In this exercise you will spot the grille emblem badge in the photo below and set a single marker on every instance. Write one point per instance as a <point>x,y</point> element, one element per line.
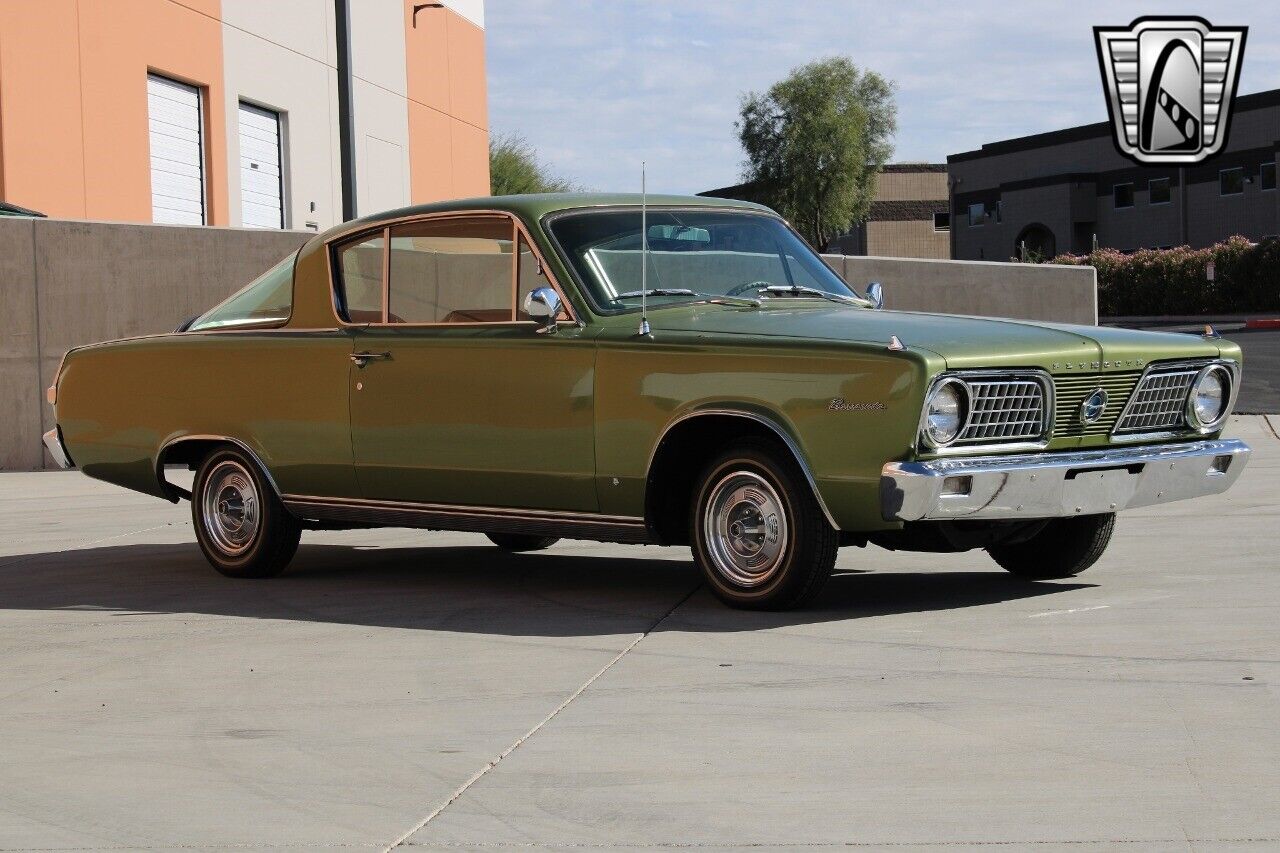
<point>1093,406</point>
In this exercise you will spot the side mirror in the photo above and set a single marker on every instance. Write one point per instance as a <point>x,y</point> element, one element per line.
<point>543,305</point>
<point>875,292</point>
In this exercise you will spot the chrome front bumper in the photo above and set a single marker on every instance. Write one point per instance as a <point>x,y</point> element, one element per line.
<point>1046,485</point>
<point>53,443</point>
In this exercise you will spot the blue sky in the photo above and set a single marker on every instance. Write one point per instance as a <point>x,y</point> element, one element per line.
<point>597,87</point>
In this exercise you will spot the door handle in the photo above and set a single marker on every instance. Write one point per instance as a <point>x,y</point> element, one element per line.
<point>363,358</point>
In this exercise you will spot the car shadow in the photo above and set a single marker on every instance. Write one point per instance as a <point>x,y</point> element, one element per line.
<point>468,589</point>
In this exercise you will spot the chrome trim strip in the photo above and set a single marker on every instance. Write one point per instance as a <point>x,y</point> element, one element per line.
<point>1230,364</point>
<point>171,489</point>
<point>1049,485</point>
<point>518,230</point>
<point>606,528</point>
<point>464,509</point>
<point>53,443</point>
<point>760,419</point>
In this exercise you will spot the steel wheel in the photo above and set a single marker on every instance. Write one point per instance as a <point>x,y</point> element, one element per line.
<point>745,528</point>
<point>231,508</point>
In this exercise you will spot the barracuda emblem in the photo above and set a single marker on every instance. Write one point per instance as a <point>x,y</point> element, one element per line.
<point>1093,406</point>
<point>840,404</point>
<point>1169,84</point>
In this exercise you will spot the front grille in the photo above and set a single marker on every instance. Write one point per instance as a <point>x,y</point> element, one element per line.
<point>1004,410</point>
<point>1160,402</point>
<point>1071,391</point>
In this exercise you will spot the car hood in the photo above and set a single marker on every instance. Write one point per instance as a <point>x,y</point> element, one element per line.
<point>963,342</point>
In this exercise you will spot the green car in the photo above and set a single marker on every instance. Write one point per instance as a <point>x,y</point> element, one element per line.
<point>688,372</point>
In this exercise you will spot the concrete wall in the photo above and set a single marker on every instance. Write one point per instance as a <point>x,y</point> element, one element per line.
<point>1058,294</point>
<point>71,283</point>
<point>67,283</point>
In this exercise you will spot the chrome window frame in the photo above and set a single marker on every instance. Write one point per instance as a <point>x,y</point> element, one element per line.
<point>1202,364</point>
<point>520,233</point>
<point>924,446</point>
<point>549,219</point>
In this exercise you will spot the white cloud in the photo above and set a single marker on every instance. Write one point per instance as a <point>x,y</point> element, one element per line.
<point>597,87</point>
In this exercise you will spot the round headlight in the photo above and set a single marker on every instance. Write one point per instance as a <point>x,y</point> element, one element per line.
<point>945,412</point>
<point>1207,405</point>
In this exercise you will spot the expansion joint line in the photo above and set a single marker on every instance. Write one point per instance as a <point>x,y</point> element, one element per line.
<point>480,774</point>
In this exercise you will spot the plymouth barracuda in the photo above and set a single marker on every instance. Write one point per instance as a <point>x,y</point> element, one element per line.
<point>687,371</point>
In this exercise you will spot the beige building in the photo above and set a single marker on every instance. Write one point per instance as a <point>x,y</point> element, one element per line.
<point>279,114</point>
<point>908,218</point>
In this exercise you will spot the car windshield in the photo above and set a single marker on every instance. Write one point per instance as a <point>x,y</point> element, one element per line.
<point>693,254</point>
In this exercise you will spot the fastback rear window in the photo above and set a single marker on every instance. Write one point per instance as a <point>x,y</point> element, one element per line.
<point>266,301</point>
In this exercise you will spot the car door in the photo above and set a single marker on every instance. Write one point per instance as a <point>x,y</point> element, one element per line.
<point>459,399</point>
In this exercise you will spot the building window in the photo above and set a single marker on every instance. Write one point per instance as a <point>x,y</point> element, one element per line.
<point>176,133</point>
<point>977,214</point>
<point>1158,190</point>
<point>1231,181</point>
<point>1000,211</point>
<point>1122,195</point>
<point>1268,176</point>
<point>942,221</point>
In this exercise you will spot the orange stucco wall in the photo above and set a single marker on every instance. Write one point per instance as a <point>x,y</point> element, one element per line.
<point>448,124</point>
<point>73,84</point>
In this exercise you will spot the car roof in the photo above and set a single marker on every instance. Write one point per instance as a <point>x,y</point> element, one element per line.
<point>533,207</point>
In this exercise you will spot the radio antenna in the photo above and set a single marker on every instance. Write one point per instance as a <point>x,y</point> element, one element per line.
<point>644,255</point>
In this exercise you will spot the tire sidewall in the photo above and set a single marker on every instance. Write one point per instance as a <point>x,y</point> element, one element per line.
<point>758,463</point>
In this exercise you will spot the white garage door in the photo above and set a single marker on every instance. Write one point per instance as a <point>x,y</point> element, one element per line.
<point>261,187</point>
<point>177,152</point>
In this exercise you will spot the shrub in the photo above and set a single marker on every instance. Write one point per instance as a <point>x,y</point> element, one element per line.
<point>1153,282</point>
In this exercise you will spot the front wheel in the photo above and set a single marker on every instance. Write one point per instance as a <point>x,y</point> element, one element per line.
<point>242,527</point>
<point>1065,547</point>
<point>758,533</point>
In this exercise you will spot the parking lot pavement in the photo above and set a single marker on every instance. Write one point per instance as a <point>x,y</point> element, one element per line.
<point>1260,391</point>
<point>367,696</point>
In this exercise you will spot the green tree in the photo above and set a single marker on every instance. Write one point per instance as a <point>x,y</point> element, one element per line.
<point>815,142</point>
<point>514,168</point>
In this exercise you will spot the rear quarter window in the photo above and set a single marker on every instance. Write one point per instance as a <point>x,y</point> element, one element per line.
<point>266,301</point>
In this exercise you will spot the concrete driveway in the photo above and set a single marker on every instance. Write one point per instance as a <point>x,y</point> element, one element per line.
<point>401,686</point>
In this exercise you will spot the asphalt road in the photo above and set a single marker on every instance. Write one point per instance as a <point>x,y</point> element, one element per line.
<point>1260,393</point>
<point>397,685</point>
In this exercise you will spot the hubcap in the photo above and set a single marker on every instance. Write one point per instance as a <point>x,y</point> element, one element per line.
<point>230,508</point>
<point>745,529</point>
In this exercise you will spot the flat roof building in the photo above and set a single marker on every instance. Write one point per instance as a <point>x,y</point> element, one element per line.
<point>1069,190</point>
<point>232,112</point>
<point>908,217</point>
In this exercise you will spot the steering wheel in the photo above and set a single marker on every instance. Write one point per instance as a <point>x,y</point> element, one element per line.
<point>751,285</point>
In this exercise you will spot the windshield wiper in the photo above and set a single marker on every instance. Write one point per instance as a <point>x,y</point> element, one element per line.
<point>657,291</point>
<point>742,301</point>
<point>801,290</point>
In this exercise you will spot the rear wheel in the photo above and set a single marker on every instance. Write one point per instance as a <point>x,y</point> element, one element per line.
<point>242,527</point>
<point>758,533</point>
<point>521,541</point>
<point>1064,548</point>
